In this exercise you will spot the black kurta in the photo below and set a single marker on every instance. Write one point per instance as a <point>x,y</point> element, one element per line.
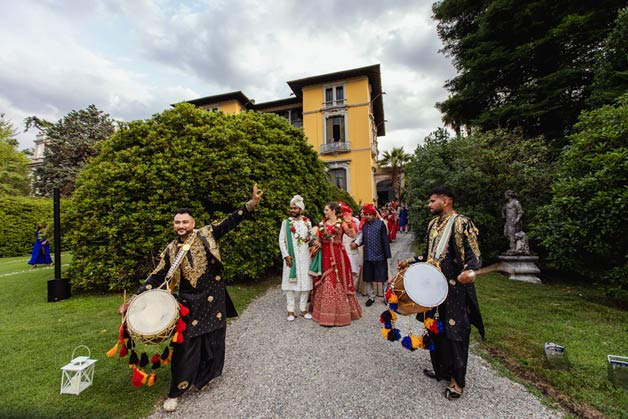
<point>460,309</point>
<point>200,357</point>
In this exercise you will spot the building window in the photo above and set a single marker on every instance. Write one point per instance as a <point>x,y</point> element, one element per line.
<point>334,96</point>
<point>335,129</point>
<point>338,177</point>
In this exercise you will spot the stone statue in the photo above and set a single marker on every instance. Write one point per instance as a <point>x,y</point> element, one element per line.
<point>521,244</point>
<point>513,213</point>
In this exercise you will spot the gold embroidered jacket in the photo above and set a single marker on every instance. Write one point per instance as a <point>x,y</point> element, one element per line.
<point>201,286</point>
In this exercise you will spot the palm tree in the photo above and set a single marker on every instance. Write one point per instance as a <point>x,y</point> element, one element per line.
<point>396,159</point>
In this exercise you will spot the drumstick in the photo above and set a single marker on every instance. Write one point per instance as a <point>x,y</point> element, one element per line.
<point>491,268</point>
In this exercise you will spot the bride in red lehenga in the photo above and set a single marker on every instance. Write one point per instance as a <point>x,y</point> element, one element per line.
<point>335,303</point>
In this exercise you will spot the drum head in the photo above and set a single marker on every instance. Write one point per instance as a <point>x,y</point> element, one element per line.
<point>152,312</point>
<point>425,284</point>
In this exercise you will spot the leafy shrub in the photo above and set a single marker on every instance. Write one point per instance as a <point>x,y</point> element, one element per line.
<point>585,222</point>
<point>19,217</point>
<point>188,157</point>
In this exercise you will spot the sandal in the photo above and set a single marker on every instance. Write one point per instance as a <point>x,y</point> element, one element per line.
<point>430,373</point>
<point>451,393</point>
<point>170,405</point>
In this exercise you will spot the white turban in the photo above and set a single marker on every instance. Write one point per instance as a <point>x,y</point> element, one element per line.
<point>297,201</point>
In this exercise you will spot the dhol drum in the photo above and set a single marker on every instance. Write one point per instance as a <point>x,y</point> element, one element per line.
<point>419,288</point>
<point>152,316</point>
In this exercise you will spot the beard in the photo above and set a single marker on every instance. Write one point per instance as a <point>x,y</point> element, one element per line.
<point>295,214</point>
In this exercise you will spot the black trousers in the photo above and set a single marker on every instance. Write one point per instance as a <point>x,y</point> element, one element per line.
<point>450,357</point>
<point>197,361</point>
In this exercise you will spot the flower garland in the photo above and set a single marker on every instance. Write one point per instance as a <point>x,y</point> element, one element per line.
<point>433,326</point>
<point>296,234</point>
<point>329,231</point>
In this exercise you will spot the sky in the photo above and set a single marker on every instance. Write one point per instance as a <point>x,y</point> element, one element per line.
<point>133,58</point>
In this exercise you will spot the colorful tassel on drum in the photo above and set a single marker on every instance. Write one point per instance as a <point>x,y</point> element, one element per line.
<point>113,351</point>
<point>406,342</point>
<point>165,356</point>
<point>389,292</point>
<point>385,317</point>
<point>181,326</point>
<point>143,360</point>
<point>151,379</point>
<point>134,360</point>
<point>123,351</point>
<point>139,377</point>
<point>417,342</point>
<point>385,332</point>
<point>155,360</point>
<point>392,299</point>
<point>183,310</point>
<point>394,335</point>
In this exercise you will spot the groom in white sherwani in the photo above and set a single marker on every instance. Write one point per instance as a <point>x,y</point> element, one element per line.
<point>294,242</point>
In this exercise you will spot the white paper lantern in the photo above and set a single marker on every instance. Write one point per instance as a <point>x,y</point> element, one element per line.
<point>78,374</point>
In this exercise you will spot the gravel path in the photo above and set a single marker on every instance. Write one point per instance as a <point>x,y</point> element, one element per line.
<point>277,369</point>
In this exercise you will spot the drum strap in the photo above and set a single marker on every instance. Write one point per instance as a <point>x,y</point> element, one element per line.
<point>185,248</point>
<point>444,240</point>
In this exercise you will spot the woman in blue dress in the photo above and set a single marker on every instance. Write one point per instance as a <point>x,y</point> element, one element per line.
<point>41,248</point>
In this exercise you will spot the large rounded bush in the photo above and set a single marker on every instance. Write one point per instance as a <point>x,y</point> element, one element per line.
<point>122,211</point>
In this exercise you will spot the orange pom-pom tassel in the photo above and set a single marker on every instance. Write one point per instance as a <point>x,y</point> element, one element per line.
<point>112,352</point>
<point>151,380</point>
<point>393,315</point>
<point>393,299</point>
<point>385,332</point>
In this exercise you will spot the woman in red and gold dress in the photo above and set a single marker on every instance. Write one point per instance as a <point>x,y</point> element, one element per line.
<point>335,303</point>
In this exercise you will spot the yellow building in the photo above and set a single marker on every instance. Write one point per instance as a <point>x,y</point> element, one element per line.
<point>341,113</point>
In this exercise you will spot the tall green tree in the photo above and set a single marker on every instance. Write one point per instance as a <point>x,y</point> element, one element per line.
<point>123,204</point>
<point>396,159</point>
<point>584,225</point>
<point>521,63</point>
<point>14,170</point>
<point>70,144</point>
<point>611,73</point>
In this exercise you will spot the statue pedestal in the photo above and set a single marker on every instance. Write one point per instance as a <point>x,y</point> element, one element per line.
<point>520,268</point>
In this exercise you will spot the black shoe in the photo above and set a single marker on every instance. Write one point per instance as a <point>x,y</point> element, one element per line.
<point>369,302</point>
<point>451,393</point>
<point>430,373</point>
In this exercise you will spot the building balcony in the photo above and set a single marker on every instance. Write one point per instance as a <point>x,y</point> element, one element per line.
<point>331,104</point>
<point>335,148</point>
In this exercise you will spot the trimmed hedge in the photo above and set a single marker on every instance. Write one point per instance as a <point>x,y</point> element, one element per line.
<point>19,217</point>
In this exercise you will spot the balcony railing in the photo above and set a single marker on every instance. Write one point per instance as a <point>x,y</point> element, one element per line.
<point>334,103</point>
<point>336,147</point>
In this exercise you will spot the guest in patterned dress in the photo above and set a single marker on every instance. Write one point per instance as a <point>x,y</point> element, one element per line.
<point>374,239</point>
<point>335,303</point>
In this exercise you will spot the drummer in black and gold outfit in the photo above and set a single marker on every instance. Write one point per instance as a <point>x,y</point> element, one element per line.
<point>201,356</point>
<point>460,310</point>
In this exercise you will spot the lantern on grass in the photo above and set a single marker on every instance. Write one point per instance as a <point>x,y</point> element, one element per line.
<point>78,374</point>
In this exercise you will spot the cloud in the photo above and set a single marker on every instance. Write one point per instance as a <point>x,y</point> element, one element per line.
<point>133,59</point>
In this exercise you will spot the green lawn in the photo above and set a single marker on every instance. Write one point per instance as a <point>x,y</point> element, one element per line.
<point>38,339</point>
<point>521,317</point>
